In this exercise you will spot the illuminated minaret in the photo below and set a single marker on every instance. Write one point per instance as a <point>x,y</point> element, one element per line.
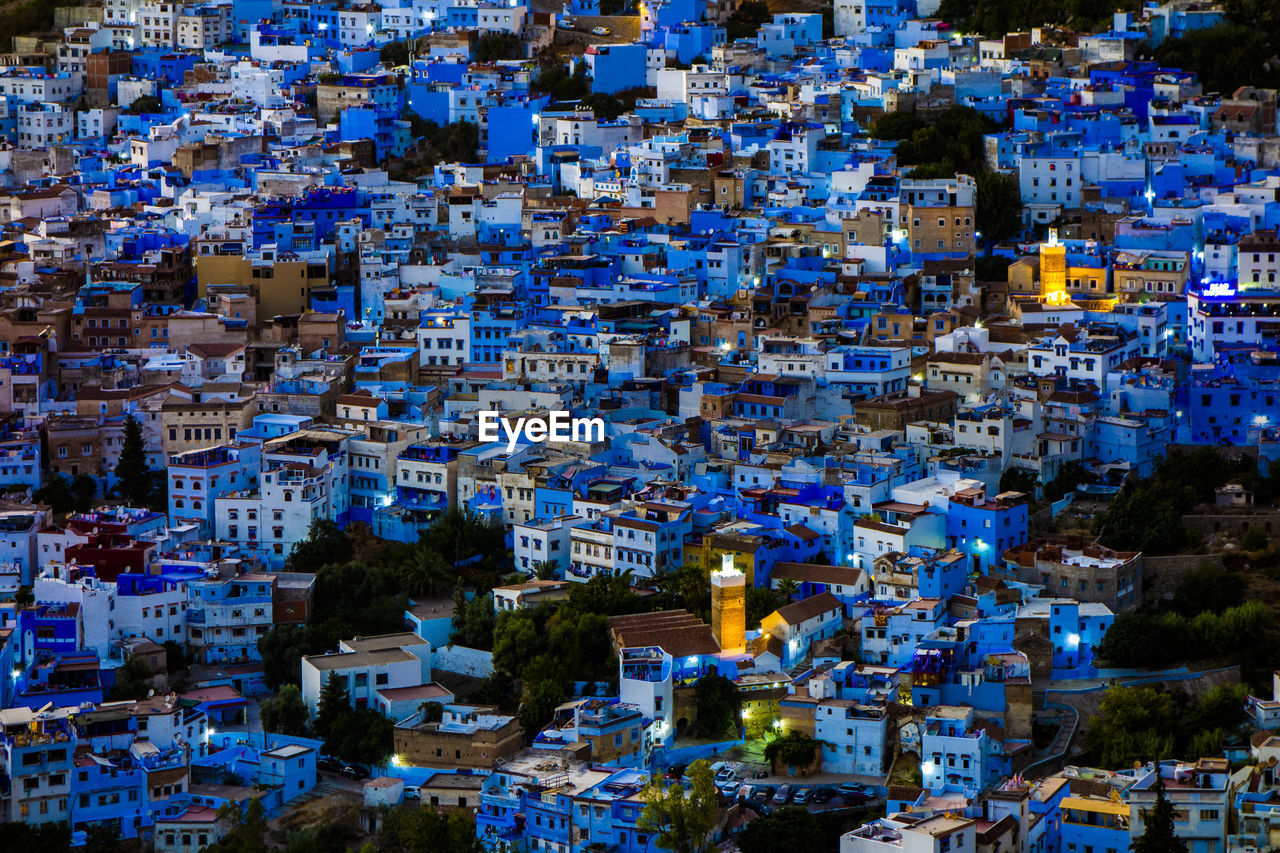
<point>1053,270</point>
<point>729,608</point>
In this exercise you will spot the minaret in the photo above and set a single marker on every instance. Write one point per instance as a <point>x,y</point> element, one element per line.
<point>1053,270</point>
<point>729,609</point>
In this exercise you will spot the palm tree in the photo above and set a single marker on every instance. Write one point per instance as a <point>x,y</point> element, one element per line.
<point>788,587</point>
<point>426,574</point>
<point>545,570</point>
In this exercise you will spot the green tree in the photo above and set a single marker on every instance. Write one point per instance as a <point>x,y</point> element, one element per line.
<point>101,838</point>
<point>497,46</point>
<point>1209,587</point>
<point>719,706</point>
<point>794,749</point>
<point>44,837</point>
<point>285,713</point>
<point>993,268</point>
<point>282,649</point>
<point>788,588</point>
<point>539,703</point>
<point>786,830</point>
<point>1254,540</point>
<point>394,53</point>
<point>681,821</point>
<point>325,545</point>
<point>247,831</point>
<point>1134,723</point>
<point>1158,835</point>
<point>545,570</point>
<point>414,829</point>
<point>555,80</point>
<point>474,622</point>
<point>761,601</point>
<point>133,680</point>
<point>83,490</point>
<point>144,104</point>
<point>998,206</point>
<point>427,575</point>
<point>1070,475</point>
<point>747,19</point>
<point>133,477</point>
<point>333,711</point>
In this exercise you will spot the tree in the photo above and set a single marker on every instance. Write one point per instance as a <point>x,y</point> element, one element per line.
<point>248,828</point>
<point>999,206</point>
<point>45,837</point>
<point>133,477</point>
<point>992,268</point>
<point>473,623</point>
<point>788,830</point>
<point>545,570</point>
<point>101,838</point>
<point>719,706</point>
<point>325,545</point>
<point>333,710</point>
<point>497,46</point>
<point>56,494</point>
<point>747,19</point>
<point>555,80</point>
<point>539,703</point>
<point>761,601</point>
<point>424,829</point>
<point>788,588</point>
<point>282,649</point>
<point>681,821</point>
<point>427,575</point>
<point>285,712</point>
<point>394,53</point>
<point>146,104</point>
<point>83,490</point>
<point>1254,540</point>
<point>794,749</point>
<point>1070,475</point>
<point>1208,588</point>
<point>133,680</point>
<point>1158,835</point>
<point>952,143</point>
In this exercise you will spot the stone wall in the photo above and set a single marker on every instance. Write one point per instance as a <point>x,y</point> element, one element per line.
<point>1162,574</point>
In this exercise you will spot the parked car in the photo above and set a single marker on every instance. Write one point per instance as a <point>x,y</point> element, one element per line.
<point>854,788</point>
<point>412,792</point>
<point>601,31</point>
<point>567,24</point>
<point>726,774</point>
<point>782,796</point>
<point>762,795</point>
<point>354,771</point>
<point>745,792</point>
<point>821,795</point>
<point>760,774</point>
<point>801,796</point>
<point>328,762</point>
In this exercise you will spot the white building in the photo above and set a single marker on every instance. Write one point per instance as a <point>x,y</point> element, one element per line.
<point>368,664</point>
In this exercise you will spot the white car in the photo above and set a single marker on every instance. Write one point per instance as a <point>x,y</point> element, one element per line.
<point>412,792</point>
<point>601,31</point>
<point>567,24</point>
